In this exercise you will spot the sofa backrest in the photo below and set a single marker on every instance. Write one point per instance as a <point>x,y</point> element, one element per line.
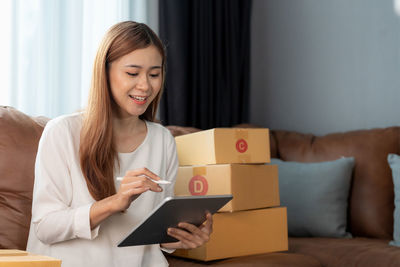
<point>371,202</point>
<point>19,137</point>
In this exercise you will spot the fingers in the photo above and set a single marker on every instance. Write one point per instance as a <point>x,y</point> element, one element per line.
<point>191,236</point>
<point>186,239</point>
<point>138,178</point>
<point>140,182</point>
<point>207,225</point>
<point>134,191</point>
<point>132,185</point>
<point>143,171</point>
<point>195,231</point>
<point>125,195</point>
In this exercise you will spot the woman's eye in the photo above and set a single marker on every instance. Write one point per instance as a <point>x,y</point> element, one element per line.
<point>132,74</point>
<point>154,75</point>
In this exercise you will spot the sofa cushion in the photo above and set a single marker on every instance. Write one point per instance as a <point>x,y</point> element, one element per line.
<point>371,195</point>
<point>316,196</point>
<point>339,252</point>
<point>19,137</point>
<point>394,163</point>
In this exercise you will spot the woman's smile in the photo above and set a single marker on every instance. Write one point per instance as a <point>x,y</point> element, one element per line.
<point>140,100</point>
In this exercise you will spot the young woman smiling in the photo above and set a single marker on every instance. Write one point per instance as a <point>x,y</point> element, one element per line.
<point>79,211</point>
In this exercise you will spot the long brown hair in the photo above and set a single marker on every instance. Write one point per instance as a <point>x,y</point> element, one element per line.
<point>97,150</point>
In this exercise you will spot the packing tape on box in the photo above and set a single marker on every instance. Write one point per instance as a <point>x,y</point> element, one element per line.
<point>241,134</point>
<point>199,171</point>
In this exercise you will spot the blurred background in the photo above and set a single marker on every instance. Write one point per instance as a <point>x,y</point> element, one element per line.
<point>316,66</point>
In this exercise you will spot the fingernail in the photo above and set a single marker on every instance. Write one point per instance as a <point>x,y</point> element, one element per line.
<point>159,189</point>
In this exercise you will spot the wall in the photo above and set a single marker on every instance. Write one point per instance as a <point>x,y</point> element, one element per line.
<point>325,66</point>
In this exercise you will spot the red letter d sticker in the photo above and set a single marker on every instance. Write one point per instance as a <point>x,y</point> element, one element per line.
<point>198,186</point>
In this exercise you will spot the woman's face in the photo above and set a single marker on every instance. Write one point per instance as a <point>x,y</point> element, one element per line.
<point>135,80</point>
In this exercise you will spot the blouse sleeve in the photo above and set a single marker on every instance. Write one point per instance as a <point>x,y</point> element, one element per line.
<point>53,217</point>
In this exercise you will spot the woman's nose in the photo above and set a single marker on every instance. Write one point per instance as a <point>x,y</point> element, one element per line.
<point>143,83</point>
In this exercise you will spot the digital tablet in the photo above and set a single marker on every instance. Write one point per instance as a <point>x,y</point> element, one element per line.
<point>170,212</point>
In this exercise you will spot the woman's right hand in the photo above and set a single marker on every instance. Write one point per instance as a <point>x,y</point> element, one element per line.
<point>134,183</point>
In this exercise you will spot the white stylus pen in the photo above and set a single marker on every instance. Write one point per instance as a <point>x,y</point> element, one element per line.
<point>156,181</point>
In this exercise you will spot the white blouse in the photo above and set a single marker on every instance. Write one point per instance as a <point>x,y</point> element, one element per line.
<point>60,225</point>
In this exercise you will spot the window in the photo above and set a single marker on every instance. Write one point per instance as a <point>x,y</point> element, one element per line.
<point>50,46</point>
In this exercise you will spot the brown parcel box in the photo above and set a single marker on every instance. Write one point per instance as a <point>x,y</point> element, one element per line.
<point>252,186</point>
<point>243,233</point>
<point>224,145</point>
<point>19,258</point>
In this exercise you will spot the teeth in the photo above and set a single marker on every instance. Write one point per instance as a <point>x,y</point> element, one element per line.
<point>139,98</point>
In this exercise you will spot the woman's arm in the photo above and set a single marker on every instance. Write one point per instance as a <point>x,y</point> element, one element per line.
<point>55,217</point>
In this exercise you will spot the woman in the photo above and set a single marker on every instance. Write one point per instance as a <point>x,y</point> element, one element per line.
<point>79,211</point>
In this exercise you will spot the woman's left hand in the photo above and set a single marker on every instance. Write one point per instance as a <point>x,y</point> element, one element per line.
<point>190,236</point>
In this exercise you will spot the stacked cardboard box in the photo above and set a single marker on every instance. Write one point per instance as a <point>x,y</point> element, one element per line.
<point>231,161</point>
<point>19,258</point>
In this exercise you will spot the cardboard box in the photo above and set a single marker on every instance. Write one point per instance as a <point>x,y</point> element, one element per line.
<point>243,233</point>
<point>224,145</point>
<point>252,186</point>
<point>19,258</point>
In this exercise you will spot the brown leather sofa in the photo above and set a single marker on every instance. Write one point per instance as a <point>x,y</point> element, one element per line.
<point>371,200</point>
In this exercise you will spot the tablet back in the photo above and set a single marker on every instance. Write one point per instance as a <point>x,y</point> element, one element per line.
<point>170,212</point>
